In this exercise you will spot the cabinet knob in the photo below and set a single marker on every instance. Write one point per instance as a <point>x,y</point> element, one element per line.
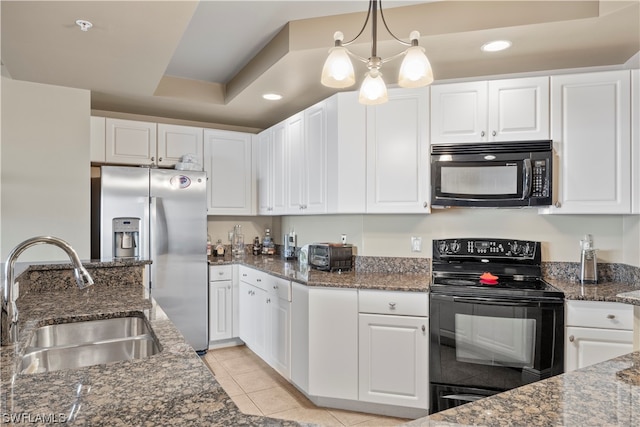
<point>424,328</point>
<point>425,204</point>
<point>558,204</point>
<point>392,305</point>
<point>268,300</point>
<point>494,133</point>
<point>244,274</point>
<point>258,280</point>
<point>159,159</point>
<point>153,159</point>
<point>571,338</point>
<point>482,133</point>
<point>229,287</point>
<point>220,273</point>
<point>275,286</point>
<point>611,316</point>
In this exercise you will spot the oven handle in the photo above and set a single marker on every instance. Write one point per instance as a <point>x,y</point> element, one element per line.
<point>464,397</point>
<point>502,302</point>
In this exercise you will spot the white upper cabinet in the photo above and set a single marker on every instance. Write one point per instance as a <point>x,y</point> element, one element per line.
<point>590,128</point>
<point>229,167</point>
<point>264,166</point>
<point>97,139</point>
<point>498,110</point>
<point>175,141</point>
<point>295,164</point>
<point>130,142</point>
<point>314,185</point>
<point>398,153</point>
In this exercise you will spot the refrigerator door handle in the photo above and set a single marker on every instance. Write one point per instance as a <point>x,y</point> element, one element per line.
<point>153,229</point>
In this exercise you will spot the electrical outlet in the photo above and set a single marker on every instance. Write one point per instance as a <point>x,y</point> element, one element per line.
<point>416,244</point>
<point>343,239</point>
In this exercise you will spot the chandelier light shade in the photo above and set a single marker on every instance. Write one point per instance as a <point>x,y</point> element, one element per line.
<point>338,72</point>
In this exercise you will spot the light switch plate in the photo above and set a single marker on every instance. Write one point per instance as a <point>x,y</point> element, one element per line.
<point>416,244</point>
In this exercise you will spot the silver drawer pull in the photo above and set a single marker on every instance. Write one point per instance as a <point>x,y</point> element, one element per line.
<point>571,338</point>
<point>275,286</point>
<point>258,280</point>
<point>392,305</point>
<point>221,273</point>
<point>611,316</point>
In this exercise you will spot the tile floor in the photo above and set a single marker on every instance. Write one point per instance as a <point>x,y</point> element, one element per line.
<point>257,389</point>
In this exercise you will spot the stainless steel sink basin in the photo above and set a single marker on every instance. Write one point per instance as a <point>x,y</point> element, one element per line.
<point>87,343</point>
<point>90,331</point>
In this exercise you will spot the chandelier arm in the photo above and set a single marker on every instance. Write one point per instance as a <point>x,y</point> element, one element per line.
<point>384,21</point>
<point>358,57</point>
<point>391,58</point>
<point>366,20</point>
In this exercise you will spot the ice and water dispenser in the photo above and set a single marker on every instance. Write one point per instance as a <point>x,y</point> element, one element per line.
<point>126,237</point>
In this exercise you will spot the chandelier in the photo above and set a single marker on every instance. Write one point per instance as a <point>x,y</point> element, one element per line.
<point>415,69</point>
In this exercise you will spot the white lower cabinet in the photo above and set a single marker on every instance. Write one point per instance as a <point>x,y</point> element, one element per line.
<point>596,331</point>
<point>220,303</point>
<point>265,317</point>
<point>394,348</point>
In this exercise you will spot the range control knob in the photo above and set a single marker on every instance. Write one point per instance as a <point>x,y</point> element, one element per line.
<point>455,247</point>
<point>515,248</point>
<point>443,247</point>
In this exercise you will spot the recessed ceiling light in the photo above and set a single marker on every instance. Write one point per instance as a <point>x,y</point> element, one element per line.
<point>84,25</point>
<point>496,46</point>
<point>272,96</point>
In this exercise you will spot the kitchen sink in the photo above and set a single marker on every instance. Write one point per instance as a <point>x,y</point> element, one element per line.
<point>87,343</point>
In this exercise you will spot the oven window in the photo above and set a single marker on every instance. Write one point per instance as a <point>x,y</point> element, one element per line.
<point>495,341</point>
<point>482,180</point>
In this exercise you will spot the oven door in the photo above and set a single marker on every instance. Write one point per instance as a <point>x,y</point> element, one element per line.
<point>493,343</point>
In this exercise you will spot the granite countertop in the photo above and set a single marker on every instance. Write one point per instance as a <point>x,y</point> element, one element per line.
<point>623,292</point>
<point>172,387</point>
<point>395,280</point>
<point>604,394</point>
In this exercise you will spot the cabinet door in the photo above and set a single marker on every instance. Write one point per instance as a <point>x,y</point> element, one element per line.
<point>300,336</point>
<point>175,141</point>
<point>635,139</point>
<point>397,153</point>
<point>279,334</point>
<point>130,142</point>
<point>295,164</point>
<point>246,314</point>
<point>229,170</point>
<point>263,173</point>
<point>315,168</point>
<point>220,310</point>
<point>459,112</point>
<point>97,138</point>
<point>278,170</point>
<point>519,109</point>
<point>587,346</point>
<point>590,124</point>
<point>400,342</point>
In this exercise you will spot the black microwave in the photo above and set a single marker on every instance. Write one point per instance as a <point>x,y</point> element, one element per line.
<point>499,174</point>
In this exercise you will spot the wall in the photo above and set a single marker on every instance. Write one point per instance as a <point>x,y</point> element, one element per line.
<point>45,191</point>
<point>390,235</point>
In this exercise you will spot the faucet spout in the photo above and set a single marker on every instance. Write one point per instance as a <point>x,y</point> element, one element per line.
<point>9,296</point>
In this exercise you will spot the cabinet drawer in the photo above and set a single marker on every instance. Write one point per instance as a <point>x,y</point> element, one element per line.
<point>220,272</point>
<point>254,277</point>
<point>391,302</point>
<point>280,288</point>
<point>600,314</point>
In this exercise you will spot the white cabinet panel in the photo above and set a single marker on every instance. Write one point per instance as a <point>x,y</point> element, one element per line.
<point>295,164</point>
<point>130,142</point>
<point>635,139</point>
<point>279,171</point>
<point>590,118</point>
<point>587,346</point>
<point>175,141</point>
<point>314,190</point>
<point>394,360</point>
<point>397,153</point>
<point>458,112</point>
<point>220,310</point>
<point>229,167</point>
<point>264,165</point>
<point>98,139</point>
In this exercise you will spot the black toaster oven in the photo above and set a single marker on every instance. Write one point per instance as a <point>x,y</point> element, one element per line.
<point>331,256</point>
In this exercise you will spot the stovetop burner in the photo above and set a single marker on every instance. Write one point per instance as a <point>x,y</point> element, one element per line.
<point>489,267</point>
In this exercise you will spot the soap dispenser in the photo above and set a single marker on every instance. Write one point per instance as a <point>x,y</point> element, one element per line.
<point>588,261</point>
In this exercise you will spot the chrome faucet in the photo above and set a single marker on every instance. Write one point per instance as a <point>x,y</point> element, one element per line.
<point>9,308</point>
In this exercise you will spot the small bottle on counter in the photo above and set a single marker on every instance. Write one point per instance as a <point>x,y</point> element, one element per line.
<point>219,248</point>
<point>257,247</point>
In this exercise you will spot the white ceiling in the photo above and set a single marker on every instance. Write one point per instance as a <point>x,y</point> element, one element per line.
<point>210,61</point>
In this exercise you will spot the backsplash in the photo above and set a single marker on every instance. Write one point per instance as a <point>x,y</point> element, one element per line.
<point>607,272</point>
<point>376,264</point>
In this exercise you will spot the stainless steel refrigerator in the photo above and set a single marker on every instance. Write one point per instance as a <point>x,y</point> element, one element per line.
<point>171,206</point>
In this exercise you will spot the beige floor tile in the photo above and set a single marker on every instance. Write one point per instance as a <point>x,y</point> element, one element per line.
<point>255,381</point>
<point>273,400</point>
<point>246,405</point>
<point>230,386</point>
<point>308,415</point>
<point>215,367</point>
<point>349,418</point>
<point>240,365</point>
<point>302,400</point>
<point>230,352</point>
<point>378,421</point>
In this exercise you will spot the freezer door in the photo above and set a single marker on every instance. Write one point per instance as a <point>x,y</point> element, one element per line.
<point>124,192</point>
<point>179,280</point>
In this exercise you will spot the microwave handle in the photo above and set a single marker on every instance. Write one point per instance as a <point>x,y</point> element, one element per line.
<point>526,183</point>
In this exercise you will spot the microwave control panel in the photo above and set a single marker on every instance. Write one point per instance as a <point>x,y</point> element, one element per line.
<point>540,184</point>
